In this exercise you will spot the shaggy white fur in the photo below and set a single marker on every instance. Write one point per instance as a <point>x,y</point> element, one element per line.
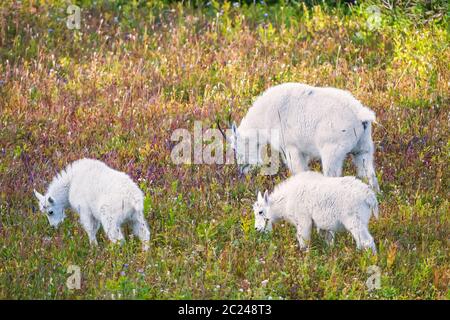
<point>314,123</point>
<point>100,195</point>
<point>331,204</point>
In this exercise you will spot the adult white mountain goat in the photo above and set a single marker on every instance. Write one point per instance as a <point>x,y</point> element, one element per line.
<point>100,195</point>
<point>330,203</point>
<point>313,123</point>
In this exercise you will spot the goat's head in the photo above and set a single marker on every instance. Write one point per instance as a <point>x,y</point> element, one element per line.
<point>50,207</point>
<point>261,209</point>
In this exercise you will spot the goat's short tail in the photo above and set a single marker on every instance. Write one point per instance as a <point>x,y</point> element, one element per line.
<point>372,202</point>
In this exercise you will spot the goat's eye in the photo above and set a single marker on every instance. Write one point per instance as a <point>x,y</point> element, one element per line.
<point>260,213</point>
<point>50,212</point>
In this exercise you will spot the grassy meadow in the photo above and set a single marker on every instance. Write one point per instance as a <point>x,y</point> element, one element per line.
<point>135,71</point>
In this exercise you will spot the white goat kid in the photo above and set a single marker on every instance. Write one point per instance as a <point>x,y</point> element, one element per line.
<point>100,195</point>
<point>331,204</point>
<point>313,123</point>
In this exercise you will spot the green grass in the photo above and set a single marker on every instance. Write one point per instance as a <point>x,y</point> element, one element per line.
<point>116,89</point>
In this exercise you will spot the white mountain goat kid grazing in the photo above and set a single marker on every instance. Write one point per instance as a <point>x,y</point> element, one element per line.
<point>313,123</point>
<point>329,203</point>
<point>100,195</point>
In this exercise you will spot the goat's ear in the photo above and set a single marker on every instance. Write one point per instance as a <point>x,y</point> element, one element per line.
<point>39,196</point>
<point>51,200</point>
<point>260,197</point>
<point>266,197</point>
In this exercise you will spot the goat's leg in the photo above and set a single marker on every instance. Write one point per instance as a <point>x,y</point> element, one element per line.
<point>332,160</point>
<point>354,226</point>
<point>140,229</point>
<point>90,225</point>
<point>304,233</point>
<point>111,226</point>
<point>114,234</point>
<point>295,161</point>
